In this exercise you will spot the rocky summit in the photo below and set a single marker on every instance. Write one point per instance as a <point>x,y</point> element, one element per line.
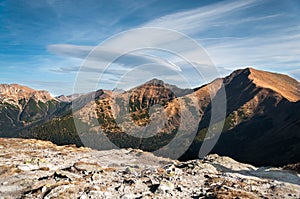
<point>39,169</point>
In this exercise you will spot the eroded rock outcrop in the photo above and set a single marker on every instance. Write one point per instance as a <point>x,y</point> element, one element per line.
<point>40,169</point>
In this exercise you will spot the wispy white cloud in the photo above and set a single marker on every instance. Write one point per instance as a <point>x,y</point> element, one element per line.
<point>199,19</point>
<point>99,57</point>
<point>271,53</point>
<point>229,33</point>
<point>69,50</point>
<point>271,44</point>
<point>174,52</point>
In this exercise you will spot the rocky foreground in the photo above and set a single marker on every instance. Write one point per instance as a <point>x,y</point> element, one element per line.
<point>39,169</point>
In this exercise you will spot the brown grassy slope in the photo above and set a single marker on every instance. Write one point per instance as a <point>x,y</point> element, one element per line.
<point>282,84</point>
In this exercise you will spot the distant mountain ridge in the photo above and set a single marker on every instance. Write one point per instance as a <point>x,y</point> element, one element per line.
<point>15,92</point>
<point>262,124</point>
<point>21,106</point>
<point>68,98</point>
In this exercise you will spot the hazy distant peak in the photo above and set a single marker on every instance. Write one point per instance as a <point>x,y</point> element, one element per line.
<point>118,90</point>
<point>64,98</point>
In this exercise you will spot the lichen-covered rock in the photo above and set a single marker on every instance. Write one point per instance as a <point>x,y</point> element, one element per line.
<point>39,169</point>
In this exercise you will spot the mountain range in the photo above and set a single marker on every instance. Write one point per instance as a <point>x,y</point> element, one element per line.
<point>261,126</point>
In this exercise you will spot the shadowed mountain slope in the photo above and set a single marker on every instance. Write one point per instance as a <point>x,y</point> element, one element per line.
<point>262,123</point>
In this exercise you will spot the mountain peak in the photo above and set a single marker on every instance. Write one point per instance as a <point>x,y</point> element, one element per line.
<point>156,82</point>
<point>14,88</point>
<point>15,92</point>
<point>118,90</point>
<point>280,83</point>
<point>151,83</point>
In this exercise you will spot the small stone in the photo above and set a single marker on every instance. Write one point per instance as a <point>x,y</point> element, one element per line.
<point>190,165</point>
<point>83,197</point>
<point>128,196</point>
<point>71,176</point>
<point>130,170</point>
<point>28,167</point>
<point>154,180</point>
<point>140,186</point>
<point>89,167</point>
<point>96,177</point>
<point>44,189</point>
<point>165,187</point>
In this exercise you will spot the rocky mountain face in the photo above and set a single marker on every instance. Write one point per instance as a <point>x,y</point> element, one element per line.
<point>262,123</point>
<point>40,169</point>
<point>122,116</point>
<point>151,93</point>
<point>21,106</point>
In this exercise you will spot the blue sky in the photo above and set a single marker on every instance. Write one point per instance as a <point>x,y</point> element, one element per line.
<point>44,43</point>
